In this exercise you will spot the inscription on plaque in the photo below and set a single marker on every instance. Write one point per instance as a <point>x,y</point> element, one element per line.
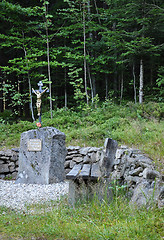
<point>34,145</point>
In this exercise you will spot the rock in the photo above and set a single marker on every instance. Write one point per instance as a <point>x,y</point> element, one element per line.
<point>72,153</point>
<point>136,151</point>
<point>67,164</point>
<point>15,150</point>
<point>93,157</point>
<point>42,164</point>
<point>119,153</point>
<point>84,150</point>
<point>1,162</point>
<point>151,174</point>
<point>93,149</point>
<point>143,159</point>
<point>145,194</point>
<point>98,156</point>
<point>69,157</point>
<point>5,158</point>
<point>124,147</point>
<point>67,170</point>
<point>14,158</point>
<point>161,198</point>
<point>73,148</point>
<point>77,159</point>
<point>11,164</point>
<point>12,169</point>
<point>14,175</point>
<point>122,170</point>
<point>117,161</point>
<point>4,168</point>
<point>140,174</point>
<point>136,171</point>
<point>72,164</point>
<point>132,180</point>
<point>87,159</point>
<point>2,176</point>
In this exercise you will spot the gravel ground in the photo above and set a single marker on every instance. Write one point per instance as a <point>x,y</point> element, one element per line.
<point>18,196</point>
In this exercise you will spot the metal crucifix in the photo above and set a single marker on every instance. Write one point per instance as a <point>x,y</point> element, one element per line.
<point>39,94</point>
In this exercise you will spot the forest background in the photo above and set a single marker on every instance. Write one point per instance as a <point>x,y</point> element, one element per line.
<point>85,51</point>
<point>103,63</point>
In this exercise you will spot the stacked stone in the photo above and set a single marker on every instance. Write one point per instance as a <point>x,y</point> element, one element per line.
<point>8,164</point>
<point>137,171</point>
<point>78,155</point>
<point>131,168</point>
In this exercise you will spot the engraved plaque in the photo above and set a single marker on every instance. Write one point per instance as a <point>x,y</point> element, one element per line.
<point>34,145</point>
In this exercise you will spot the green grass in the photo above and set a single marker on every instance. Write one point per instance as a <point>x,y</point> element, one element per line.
<point>92,220</point>
<point>139,126</point>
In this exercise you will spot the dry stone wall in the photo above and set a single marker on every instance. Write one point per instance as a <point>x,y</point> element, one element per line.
<point>131,168</point>
<point>8,164</point>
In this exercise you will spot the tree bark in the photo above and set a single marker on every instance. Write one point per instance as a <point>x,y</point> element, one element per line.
<point>122,86</point>
<point>4,96</point>
<point>141,82</point>
<point>65,87</point>
<point>134,84</point>
<point>106,86</point>
<point>91,85</point>
<point>48,59</point>
<point>85,63</point>
<point>29,80</point>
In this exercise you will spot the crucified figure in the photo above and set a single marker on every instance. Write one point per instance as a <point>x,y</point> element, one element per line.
<point>39,101</point>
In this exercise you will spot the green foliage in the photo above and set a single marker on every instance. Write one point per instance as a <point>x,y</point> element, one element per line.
<point>160,81</point>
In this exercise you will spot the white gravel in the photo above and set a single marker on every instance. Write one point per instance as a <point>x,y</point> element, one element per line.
<point>18,196</point>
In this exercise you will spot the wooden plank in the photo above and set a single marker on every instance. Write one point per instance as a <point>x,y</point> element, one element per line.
<point>85,172</point>
<point>95,171</point>
<point>74,172</point>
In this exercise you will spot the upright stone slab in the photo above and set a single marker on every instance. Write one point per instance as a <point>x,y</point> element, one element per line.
<point>41,156</point>
<point>108,156</point>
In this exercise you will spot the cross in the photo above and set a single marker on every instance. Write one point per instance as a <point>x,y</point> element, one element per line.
<point>39,94</point>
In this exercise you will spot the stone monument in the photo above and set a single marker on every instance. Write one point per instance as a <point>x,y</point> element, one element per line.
<point>42,152</point>
<point>41,156</point>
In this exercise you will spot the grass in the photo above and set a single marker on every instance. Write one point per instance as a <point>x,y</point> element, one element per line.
<point>92,220</point>
<point>133,125</point>
<point>139,126</point>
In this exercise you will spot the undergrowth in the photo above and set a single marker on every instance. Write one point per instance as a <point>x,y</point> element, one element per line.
<point>135,125</point>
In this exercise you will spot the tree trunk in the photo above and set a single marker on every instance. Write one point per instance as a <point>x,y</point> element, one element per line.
<point>141,82</point>
<point>1,94</point>
<point>85,64</point>
<point>65,87</point>
<point>122,86</point>
<point>115,83</point>
<point>48,59</point>
<point>4,96</point>
<point>106,86</point>
<point>94,85</point>
<point>134,84</point>
<point>91,85</point>
<point>29,80</point>
<point>151,75</point>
